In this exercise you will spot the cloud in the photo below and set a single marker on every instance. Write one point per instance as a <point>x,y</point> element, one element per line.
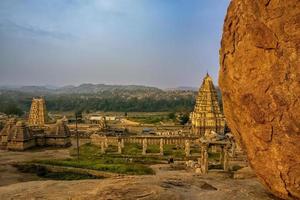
<point>30,30</point>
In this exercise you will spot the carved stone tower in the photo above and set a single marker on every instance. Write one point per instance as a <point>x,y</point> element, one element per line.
<point>207,115</point>
<point>38,113</point>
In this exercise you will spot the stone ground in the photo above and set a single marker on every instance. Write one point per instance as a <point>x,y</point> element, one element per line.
<point>166,184</point>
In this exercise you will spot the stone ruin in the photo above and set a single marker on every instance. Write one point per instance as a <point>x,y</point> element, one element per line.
<point>224,147</point>
<point>18,136</point>
<point>201,166</point>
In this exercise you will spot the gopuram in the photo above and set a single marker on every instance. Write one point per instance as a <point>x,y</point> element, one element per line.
<point>207,116</point>
<point>19,135</point>
<point>38,113</point>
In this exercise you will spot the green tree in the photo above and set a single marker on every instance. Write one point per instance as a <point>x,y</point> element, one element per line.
<point>184,119</point>
<point>172,116</point>
<point>12,109</point>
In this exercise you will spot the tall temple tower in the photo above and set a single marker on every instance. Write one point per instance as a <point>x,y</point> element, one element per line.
<point>207,115</point>
<point>38,113</point>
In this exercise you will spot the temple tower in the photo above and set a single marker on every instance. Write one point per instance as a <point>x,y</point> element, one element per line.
<point>207,115</point>
<point>38,113</point>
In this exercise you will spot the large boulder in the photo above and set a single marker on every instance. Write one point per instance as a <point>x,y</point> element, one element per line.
<point>260,83</point>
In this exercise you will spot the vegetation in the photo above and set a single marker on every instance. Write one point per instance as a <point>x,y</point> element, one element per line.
<point>91,158</point>
<point>184,118</point>
<point>131,162</point>
<point>105,101</point>
<point>148,119</point>
<point>10,108</point>
<point>161,117</point>
<point>44,173</point>
<point>109,165</point>
<point>172,116</point>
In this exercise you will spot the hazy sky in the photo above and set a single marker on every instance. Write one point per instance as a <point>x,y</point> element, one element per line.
<point>164,43</point>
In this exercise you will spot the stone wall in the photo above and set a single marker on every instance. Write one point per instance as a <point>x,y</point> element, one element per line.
<point>21,145</point>
<point>58,141</point>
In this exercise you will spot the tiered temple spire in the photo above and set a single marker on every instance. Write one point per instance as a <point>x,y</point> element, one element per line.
<point>207,115</point>
<point>38,113</point>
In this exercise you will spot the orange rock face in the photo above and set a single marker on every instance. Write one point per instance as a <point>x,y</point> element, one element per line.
<point>260,83</point>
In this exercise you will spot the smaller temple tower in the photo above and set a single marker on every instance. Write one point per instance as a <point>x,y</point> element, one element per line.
<point>38,113</point>
<point>19,137</point>
<point>207,115</point>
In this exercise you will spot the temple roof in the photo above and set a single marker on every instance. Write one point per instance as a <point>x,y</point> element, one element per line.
<point>8,127</point>
<point>19,132</point>
<point>60,129</point>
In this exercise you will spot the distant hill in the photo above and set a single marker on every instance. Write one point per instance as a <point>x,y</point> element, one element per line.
<point>183,88</point>
<point>96,88</point>
<point>81,89</point>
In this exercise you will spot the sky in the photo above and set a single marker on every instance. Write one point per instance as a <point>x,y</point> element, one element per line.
<point>162,43</point>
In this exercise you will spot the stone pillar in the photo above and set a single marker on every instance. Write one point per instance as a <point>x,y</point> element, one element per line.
<point>226,158</point>
<point>144,146</point>
<point>122,143</point>
<point>233,148</point>
<point>119,146</point>
<point>187,148</point>
<point>102,147</point>
<point>222,155</point>
<point>204,158</point>
<point>106,142</point>
<point>161,146</point>
<point>214,149</point>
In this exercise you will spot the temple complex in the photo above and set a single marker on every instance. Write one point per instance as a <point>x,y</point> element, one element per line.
<point>207,116</point>
<point>38,113</point>
<point>16,136</point>
<point>20,135</point>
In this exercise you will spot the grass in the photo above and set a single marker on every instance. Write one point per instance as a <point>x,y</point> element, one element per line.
<point>147,120</point>
<point>91,158</point>
<point>131,162</point>
<point>44,173</point>
<point>154,118</point>
<point>114,167</point>
<point>132,149</point>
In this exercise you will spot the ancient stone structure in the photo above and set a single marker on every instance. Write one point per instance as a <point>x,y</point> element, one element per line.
<point>8,128</point>
<point>16,136</point>
<point>161,146</point>
<point>259,79</point>
<point>59,135</point>
<point>187,148</point>
<point>224,155</point>
<point>145,145</point>
<point>38,113</point>
<point>19,136</point>
<point>207,115</point>
<point>119,146</point>
<point>183,142</point>
<point>100,121</point>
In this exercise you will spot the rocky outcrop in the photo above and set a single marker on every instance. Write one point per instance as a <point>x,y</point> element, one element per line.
<point>260,83</point>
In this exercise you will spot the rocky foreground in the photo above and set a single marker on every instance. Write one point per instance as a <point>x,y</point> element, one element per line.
<point>166,184</point>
